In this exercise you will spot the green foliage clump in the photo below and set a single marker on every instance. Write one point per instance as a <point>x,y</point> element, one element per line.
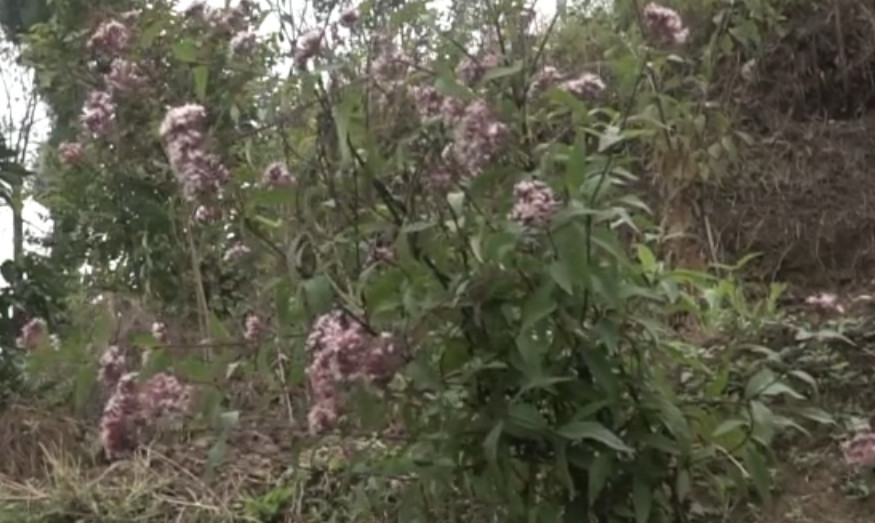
<point>455,260</point>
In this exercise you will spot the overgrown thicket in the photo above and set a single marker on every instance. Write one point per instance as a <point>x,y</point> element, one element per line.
<point>393,264</point>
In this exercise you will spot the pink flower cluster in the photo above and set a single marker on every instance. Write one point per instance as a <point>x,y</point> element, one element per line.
<point>349,17</point>
<point>471,70</point>
<point>254,328</point>
<point>111,366</point>
<point>236,21</point>
<point>343,351</point>
<point>825,302</point>
<point>664,24</point>
<point>132,407</point>
<point>428,101</point>
<point>307,46</point>
<point>32,334</point>
<point>860,450</point>
<point>277,175</point>
<point>547,77</point>
<point>534,204</point>
<point>98,113</point>
<point>226,20</point>
<point>587,86</point>
<point>111,37</point>
<point>159,332</point>
<point>99,110</point>
<point>236,251</point>
<point>124,76</point>
<point>310,44</point>
<point>70,152</point>
<point>383,254</point>
<point>118,424</point>
<point>199,173</point>
<point>207,213</point>
<point>477,138</point>
<point>390,67</point>
<point>164,395</point>
<point>243,43</point>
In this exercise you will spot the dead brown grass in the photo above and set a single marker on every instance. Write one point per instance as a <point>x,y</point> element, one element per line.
<point>802,194</point>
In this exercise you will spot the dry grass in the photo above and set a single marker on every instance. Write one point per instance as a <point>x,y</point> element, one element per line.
<point>803,194</point>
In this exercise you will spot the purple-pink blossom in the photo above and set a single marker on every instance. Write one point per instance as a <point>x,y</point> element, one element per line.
<point>111,37</point>
<point>665,24</point>
<point>70,152</point>
<point>159,332</point>
<point>390,66</point>
<point>236,251</point>
<point>349,17</point>
<point>534,204</point>
<point>859,452</point>
<point>342,350</point>
<point>471,70</point>
<point>124,76</point>
<point>199,172</point>
<point>477,138</point>
<point>243,43</point>
<point>254,328</point>
<point>546,78</point>
<point>587,86</point>
<point>132,407</point>
<point>207,213</point>
<point>825,302</point>
<point>164,395</point>
<point>111,366</point>
<point>119,422</point>
<point>277,175</point>
<point>98,113</point>
<point>307,46</point>
<point>32,334</point>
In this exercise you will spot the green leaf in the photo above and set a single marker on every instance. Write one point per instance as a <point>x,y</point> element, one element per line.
<point>216,329</point>
<point>343,113</point>
<point>598,364</point>
<point>149,33</point>
<point>591,430</point>
<point>599,472</point>
<point>559,273</point>
<point>758,383</point>
<point>759,472</point>
<point>319,294</point>
<point>527,416</point>
<point>815,414</point>
<point>683,484</point>
<point>447,85</point>
<point>82,387</point>
<point>676,423</point>
<point>531,355</point>
<point>647,259</point>
<point>501,72</point>
<point>201,75</point>
<point>456,200</point>
<point>728,426</point>
<point>718,383</point>
<point>185,51</point>
<point>215,456</point>
<point>805,377</point>
<point>539,305</point>
<point>642,498</point>
<point>612,135</point>
<point>490,445</point>
<point>416,227</point>
<point>228,420</point>
<point>283,296</point>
